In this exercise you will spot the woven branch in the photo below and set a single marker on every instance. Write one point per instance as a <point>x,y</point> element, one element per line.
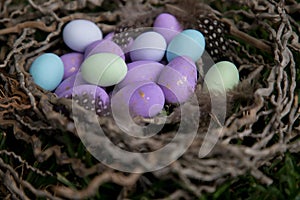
<point>268,112</point>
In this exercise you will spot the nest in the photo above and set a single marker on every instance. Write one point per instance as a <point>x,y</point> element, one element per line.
<point>42,155</point>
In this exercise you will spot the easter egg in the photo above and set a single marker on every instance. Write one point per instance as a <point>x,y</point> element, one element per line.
<point>141,71</point>
<point>109,36</point>
<point>175,85</point>
<point>69,83</point>
<point>104,69</point>
<point>167,25</point>
<point>186,66</point>
<point>47,71</point>
<point>143,98</point>
<point>221,76</point>
<point>148,46</point>
<point>90,97</point>
<point>72,62</point>
<point>78,34</point>
<point>187,43</point>
<point>103,46</point>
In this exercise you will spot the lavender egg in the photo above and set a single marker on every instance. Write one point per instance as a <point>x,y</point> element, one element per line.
<point>167,25</point>
<point>186,67</point>
<point>72,62</point>
<point>148,46</point>
<point>143,98</point>
<point>141,71</point>
<point>90,97</point>
<point>104,46</point>
<point>175,85</point>
<point>109,36</point>
<point>69,83</point>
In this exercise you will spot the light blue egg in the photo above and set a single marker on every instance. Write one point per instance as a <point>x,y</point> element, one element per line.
<point>47,71</point>
<point>187,43</point>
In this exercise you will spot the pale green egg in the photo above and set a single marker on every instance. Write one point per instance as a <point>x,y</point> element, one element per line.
<point>104,69</point>
<point>221,77</point>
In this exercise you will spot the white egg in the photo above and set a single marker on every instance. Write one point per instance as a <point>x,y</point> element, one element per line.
<point>78,34</point>
<point>148,46</point>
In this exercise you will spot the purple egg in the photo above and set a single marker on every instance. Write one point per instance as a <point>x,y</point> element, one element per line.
<point>72,62</point>
<point>109,36</point>
<point>167,25</point>
<point>70,82</point>
<point>186,66</point>
<point>176,86</point>
<point>91,97</point>
<point>143,98</point>
<point>141,71</point>
<point>104,46</point>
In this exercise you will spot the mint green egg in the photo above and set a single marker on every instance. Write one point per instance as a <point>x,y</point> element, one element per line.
<point>221,77</point>
<point>104,69</point>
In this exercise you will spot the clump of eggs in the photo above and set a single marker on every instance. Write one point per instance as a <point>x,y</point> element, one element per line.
<point>158,66</point>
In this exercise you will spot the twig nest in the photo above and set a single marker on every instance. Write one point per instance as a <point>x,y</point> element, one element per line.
<point>72,62</point>
<point>143,98</point>
<point>78,34</point>
<point>178,80</point>
<point>148,46</point>
<point>47,71</point>
<point>104,69</point>
<point>167,25</point>
<point>103,46</point>
<point>221,76</point>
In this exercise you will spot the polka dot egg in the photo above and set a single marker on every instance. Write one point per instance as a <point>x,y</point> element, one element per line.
<point>90,97</point>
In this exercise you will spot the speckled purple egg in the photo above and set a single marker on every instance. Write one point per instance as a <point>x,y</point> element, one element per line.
<point>141,71</point>
<point>175,85</point>
<point>167,25</point>
<point>69,83</point>
<point>91,97</point>
<point>143,98</point>
<point>72,62</point>
<point>186,66</point>
<point>104,46</point>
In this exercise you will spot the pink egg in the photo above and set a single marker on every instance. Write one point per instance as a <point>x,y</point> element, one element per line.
<point>141,71</point>
<point>72,62</point>
<point>167,25</point>
<point>104,46</point>
<point>143,98</point>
